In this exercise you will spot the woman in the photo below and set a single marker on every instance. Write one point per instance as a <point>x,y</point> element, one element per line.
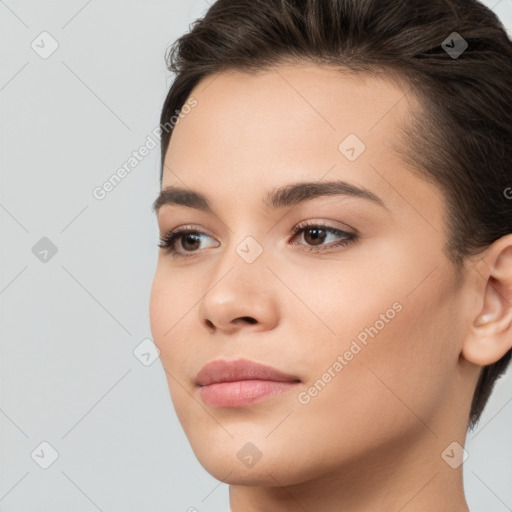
<point>333,295</point>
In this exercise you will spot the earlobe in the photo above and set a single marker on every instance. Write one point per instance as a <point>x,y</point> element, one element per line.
<point>490,335</point>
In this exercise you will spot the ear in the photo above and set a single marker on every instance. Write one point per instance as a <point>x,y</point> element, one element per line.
<point>490,333</point>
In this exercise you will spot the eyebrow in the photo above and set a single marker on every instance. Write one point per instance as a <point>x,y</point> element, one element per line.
<point>289,195</point>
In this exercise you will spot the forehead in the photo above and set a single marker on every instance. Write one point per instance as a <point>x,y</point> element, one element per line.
<point>325,98</point>
<point>258,130</point>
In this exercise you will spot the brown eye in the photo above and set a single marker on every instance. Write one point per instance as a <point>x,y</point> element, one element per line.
<point>190,241</point>
<point>315,236</point>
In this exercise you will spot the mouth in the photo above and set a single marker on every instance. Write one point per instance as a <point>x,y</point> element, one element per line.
<point>241,382</point>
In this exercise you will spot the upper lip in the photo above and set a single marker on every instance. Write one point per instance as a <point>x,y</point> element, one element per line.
<point>241,369</point>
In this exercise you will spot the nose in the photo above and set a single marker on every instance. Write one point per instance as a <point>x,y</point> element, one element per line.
<point>240,295</point>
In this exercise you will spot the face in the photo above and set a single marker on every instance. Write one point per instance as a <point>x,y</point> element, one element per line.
<point>342,285</point>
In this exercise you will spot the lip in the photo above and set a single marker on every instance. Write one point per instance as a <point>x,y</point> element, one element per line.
<point>241,369</point>
<point>241,382</point>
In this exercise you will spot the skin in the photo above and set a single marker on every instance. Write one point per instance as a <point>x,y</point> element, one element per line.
<point>373,437</point>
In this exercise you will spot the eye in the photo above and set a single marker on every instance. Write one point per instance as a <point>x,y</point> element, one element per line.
<point>316,234</point>
<point>189,239</point>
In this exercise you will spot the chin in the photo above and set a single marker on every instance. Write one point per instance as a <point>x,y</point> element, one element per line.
<point>238,461</point>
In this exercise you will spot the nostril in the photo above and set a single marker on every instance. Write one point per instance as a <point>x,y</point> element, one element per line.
<point>249,319</point>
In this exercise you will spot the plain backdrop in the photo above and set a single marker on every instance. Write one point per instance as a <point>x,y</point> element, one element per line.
<point>81,87</point>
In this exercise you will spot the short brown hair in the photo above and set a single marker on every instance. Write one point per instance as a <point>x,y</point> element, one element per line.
<point>462,139</point>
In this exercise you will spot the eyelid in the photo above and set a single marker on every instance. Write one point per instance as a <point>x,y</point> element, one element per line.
<point>327,224</point>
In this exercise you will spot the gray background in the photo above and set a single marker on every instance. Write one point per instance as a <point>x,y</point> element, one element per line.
<point>70,324</point>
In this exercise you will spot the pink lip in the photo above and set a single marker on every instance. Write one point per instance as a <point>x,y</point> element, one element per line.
<point>241,382</point>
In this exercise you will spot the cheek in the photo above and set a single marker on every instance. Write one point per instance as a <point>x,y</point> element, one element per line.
<point>173,320</point>
<point>165,329</point>
<point>164,313</point>
<point>395,372</point>
<point>339,301</point>
<point>160,308</point>
<point>170,304</point>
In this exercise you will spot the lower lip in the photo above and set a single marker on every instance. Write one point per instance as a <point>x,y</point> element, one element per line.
<point>242,392</point>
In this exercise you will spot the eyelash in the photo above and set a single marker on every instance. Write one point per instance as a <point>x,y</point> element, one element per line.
<point>167,241</point>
